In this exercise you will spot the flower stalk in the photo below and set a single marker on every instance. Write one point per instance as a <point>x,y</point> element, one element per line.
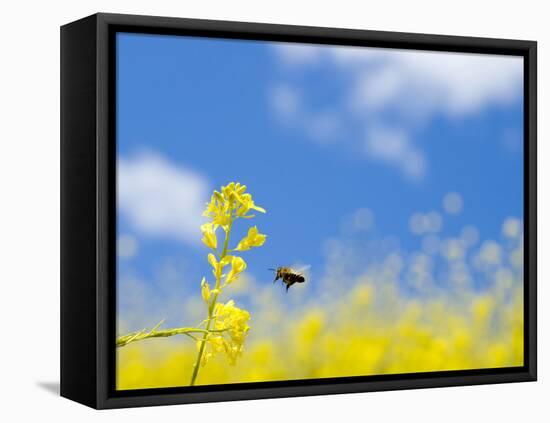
<point>226,326</point>
<point>225,207</point>
<point>211,306</point>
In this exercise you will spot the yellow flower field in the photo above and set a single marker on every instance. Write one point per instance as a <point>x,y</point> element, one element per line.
<point>370,331</point>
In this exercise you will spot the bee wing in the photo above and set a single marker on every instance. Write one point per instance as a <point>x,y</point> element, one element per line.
<point>302,269</point>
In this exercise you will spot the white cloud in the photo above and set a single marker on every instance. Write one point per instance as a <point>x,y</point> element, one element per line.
<point>438,82</point>
<point>286,101</point>
<point>323,126</point>
<point>453,84</point>
<point>394,147</point>
<point>412,87</point>
<point>160,198</point>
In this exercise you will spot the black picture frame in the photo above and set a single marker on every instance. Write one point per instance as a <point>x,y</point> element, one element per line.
<point>88,148</point>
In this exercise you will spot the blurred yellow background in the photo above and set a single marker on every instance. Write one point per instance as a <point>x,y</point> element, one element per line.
<point>371,330</point>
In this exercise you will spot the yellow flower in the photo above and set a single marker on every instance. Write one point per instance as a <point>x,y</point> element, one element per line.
<point>218,210</point>
<point>218,197</point>
<point>230,322</point>
<point>218,266</point>
<point>252,239</point>
<point>235,321</point>
<point>231,202</point>
<point>238,265</point>
<point>212,207</point>
<point>205,290</point>
<point>246,204</point>
<point>209,235</point>
<point>228,189</point>
<point>212,260</point>
<point>228,316</point>
<point>215,344</point>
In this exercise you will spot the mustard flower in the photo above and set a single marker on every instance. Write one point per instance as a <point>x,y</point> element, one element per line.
<point>231,198</point>
<point>231,326</point>
<point>215,344</point>
<point>246,204</point>
<point>218,265</point>
<point>209,235</point>
<point>252,239</point>
<point>238,265</point>
<point>219,211</point>
<point>228,316</point>
<point>235,321</point>
<point>226,326</point>
<point>205,290</point>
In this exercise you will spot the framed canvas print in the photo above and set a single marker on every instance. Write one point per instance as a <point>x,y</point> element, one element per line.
<point>256,211</point>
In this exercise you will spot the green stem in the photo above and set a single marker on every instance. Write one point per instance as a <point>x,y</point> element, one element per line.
<point>141,335</point>
<point>211,307</point>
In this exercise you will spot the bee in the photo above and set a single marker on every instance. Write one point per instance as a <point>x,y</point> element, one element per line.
<point>289,276</point>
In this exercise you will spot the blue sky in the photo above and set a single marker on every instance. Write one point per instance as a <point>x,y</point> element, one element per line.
<point>336,143</point>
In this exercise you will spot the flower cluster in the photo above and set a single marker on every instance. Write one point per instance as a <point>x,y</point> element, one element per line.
<point>226,326</point>
<point>225,206</point>
<point>230,203</point>
<point>231,326</point>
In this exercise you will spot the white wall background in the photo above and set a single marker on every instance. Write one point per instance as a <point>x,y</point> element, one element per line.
<point>29,211</point>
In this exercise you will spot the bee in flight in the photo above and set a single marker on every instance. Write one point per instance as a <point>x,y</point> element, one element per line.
<point>290,276</point>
